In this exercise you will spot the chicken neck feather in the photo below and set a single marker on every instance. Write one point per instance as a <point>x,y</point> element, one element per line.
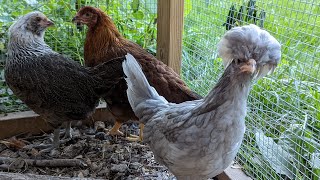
<point>230,86</point>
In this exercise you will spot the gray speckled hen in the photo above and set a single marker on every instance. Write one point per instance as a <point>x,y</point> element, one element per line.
<point>57,88</point>
<point>199,139</point>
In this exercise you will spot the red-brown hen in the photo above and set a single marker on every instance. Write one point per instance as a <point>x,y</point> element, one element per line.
<point>104,42</point>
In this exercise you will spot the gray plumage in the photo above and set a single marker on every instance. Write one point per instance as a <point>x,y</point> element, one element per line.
<point>199,139</point>
<point>55,87</point>
<point>250,42</point>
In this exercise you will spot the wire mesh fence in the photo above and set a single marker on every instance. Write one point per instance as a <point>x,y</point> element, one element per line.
<point>283,120</point>
<point>136,20</point>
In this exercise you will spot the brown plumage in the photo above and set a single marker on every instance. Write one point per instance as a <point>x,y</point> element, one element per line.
<point>104,42</point>
<point>57,88</point>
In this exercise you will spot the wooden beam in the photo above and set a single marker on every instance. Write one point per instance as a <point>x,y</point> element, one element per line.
<point>28,176</point>
<point>12,124</point>
<point>169,33</point>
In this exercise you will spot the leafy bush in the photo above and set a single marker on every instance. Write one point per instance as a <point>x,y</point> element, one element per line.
<point>282,139</point>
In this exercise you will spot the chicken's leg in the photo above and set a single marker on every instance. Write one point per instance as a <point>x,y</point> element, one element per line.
<point>49,147</point>
<point>115,129</point>
<point>56,141</point>
<point>55,144</point>
<point>68,134</point>
<point>137,138</point>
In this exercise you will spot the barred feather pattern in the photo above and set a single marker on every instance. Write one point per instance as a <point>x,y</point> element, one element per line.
<point>54,86</point>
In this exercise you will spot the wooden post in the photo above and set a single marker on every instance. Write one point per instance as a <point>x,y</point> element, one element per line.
<point>169,34</point>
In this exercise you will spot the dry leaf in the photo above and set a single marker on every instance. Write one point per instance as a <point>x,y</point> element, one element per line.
<point>13,142</point>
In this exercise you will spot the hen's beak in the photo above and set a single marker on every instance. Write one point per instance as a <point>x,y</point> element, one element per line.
<point>75,19</point>
<point>46,23</point>
<point>49,23</point>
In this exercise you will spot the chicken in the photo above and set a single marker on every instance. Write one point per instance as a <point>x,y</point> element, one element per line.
<point>199,139</point>
<point>104,42</point>
<point>57,88</point>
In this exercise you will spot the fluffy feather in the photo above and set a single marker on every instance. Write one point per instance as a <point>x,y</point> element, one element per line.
<point>139,88</point>
<point>250,42</point>
<point>199,139</point>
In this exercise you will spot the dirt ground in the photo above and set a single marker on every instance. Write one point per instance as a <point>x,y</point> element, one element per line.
<point>97,155</point>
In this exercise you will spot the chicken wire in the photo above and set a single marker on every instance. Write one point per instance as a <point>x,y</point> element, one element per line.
<point>282,136</point>
<point>283,119</point>
<point>135,19</point>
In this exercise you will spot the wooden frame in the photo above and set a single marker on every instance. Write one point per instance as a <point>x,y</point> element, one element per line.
<point>169,50</point>
<point>169,34</point>
<point>12,124</point>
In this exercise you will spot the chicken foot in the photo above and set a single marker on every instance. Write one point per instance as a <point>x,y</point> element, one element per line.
<point>49,147</point>
<point>115,129</point>
<point>68,131</point>
<point>137,138</point>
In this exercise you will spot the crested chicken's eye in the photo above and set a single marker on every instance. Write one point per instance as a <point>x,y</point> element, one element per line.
<point>38,19</point>
<point>87,14</point>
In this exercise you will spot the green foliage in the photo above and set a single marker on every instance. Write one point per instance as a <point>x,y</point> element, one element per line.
<point>285,106</point>
<point>136,20</point>
<point>250,12</point>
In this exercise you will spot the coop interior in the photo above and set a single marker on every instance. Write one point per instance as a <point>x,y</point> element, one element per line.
<point>282,136</point>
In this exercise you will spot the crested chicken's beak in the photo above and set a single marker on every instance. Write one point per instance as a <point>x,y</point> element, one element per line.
<point>249,67</point>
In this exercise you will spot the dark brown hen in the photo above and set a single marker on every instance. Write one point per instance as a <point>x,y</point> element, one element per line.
<point>104,42</point>
<point>57,88</point>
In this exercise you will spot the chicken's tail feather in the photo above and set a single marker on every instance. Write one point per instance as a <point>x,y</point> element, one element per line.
<point>139,88</point>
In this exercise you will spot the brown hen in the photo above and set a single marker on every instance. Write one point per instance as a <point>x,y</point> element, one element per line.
<point>104,42</point>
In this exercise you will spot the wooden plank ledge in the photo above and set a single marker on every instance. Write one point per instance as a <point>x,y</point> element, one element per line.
<point>12,124</point>
<point>19,176</point>
<point>227,175</point>
<point>233,174</point>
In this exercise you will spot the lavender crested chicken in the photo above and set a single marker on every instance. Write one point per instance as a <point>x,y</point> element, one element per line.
<point>199,139</point>
<point>57,88</point>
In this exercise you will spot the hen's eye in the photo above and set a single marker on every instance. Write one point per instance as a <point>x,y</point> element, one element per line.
<point>38,19</point>
<point>87,14</point>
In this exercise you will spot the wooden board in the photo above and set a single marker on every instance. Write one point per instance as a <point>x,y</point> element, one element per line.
<point>169,32</point>
<point>19,176</point>
<point>12,124</point>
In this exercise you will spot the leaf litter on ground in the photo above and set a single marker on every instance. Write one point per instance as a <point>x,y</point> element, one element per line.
<point>104,156</point>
